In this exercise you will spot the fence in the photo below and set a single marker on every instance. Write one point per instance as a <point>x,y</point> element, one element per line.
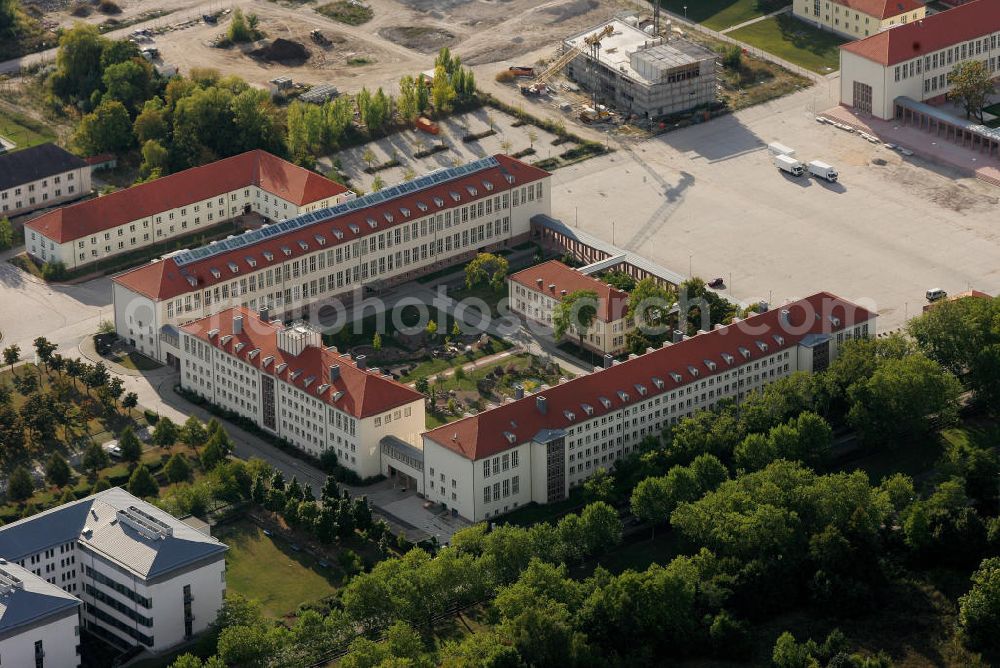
<point>751,50</point>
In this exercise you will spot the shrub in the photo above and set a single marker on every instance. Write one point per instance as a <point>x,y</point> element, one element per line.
<point>109,7</point>
<point>504,76</point>
<point>151,417</point>
<point>53,271</point>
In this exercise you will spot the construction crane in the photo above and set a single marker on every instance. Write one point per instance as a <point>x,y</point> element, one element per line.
<point>592,42</point>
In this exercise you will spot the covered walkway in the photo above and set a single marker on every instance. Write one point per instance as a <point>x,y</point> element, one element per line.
<point>960,131</point>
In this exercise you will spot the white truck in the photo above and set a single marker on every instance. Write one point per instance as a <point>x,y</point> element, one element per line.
<point>774,148</point>
<point>789,164</point>
<point>823,170</point>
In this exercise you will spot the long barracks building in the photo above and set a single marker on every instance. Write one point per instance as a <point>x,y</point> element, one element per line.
<point>178,205</point>
<point>538,447</point>
<point>383,238</point>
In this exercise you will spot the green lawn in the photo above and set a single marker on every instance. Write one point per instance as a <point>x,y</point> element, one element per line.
<point>719,14</point>
<point>137,361</point>
<point>268,570</point>
<point>795,41</point>
<point>24,131</point>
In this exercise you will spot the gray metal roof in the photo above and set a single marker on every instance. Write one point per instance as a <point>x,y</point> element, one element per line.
<point>124,529</point>
<point>35,163</point>
<point>945,117</point>
<point>27,599</point>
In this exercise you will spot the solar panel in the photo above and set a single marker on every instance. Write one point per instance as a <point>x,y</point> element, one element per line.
<point>248,238</point>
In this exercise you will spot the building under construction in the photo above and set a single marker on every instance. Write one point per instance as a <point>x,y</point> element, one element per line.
<point>641,74</point>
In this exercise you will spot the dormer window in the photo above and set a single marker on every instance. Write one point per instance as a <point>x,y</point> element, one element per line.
<point>372,223</point>
<point>762,346</point>
<point>641,389</point>
<point>226,339</point>
<point>622,395</point>
<point>780,340</point>
<point>303,245</point>
<point>354,228</point>
<point>605,402</point>
<point>676,376</point>
<point>322,388</point>
<point>510,178</point>
<point>569,415</point>
<point>295,374</point>
<point>215,272</point>
<point>286,250</point>
<point>727,358</point>
<point>439,202</point>
<point>710,364</point>
<point>238,347</point>
<point>387,216</point>
<point>835,320</point>
<point>472,191</point>
<point>192,281</point>
<point>253,353</point>
<point>268,255</point>
<point>406,212</point>
<point>587,408</point>
<point>233,267</point>
<point>338,234</point>
<point>251,261</point>
<point>455,196</point>
<point>212,333</point>
<point>320,239</point>
<point>744,352</point>
<point>308,381</point>
<point>658,382</point>
<point>421,206</point>
<point>487,185</point>
<point>693,370</point>
<point>511,438</point>
<point>267,360</point>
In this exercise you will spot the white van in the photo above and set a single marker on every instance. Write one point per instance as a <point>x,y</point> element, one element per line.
<point>935,294</point>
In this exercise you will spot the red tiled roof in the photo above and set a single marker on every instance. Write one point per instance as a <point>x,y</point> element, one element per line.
<point>881,9</point>
<point>557,277</point>
<point>171,280</point>
<point>483,435</point>
<point>269,172</point>
<point>364,392</point>
<point>933,33</point>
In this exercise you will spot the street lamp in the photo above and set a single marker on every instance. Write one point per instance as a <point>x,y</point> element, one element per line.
<point>685,12</point>
<point>690,273</point>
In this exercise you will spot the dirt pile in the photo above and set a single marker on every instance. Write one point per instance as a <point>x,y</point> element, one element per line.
<point>283,51</point>
<point>420,38</point>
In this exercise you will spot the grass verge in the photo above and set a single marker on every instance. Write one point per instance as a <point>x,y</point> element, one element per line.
<point>24,131</point>
<point>795,41</point>
<point>719,14</point>
<point>351,13</point>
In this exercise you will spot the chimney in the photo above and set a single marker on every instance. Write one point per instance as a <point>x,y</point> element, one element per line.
<point>265,314</point>
<point>783,317</point>
<point>334,373</point>
<point>609,360</point>
<point>237,325</point>
<point>762,307</point>
<point>519,391</point>
<point>361,361</point>
<point>542,405</point>
<point>539,281</point>
<point>677,336</point>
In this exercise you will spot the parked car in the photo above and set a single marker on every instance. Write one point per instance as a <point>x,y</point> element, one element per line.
<point>716,283</point>
<point>113,449</point>
<point>935,294</point>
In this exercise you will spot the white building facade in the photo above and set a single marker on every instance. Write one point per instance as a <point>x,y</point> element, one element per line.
<point>39,177</point>
<point>144,578</point>
<point>857,19</point>
<point>286,382</point>
<point>539,447</point>
<point>39,622</point>
<point>179,205</point>
<point>915,60</point>
<point>379,240</point>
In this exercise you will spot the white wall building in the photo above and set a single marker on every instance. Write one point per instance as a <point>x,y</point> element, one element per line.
<point>284,380</point>
<point>915,60</point>
<point>381,239</point>
<point>538,447</point>
<point>39,177</point>
<point>39,622</point>
<point>858,18</point>
<point>535,292</point>
<point>144,577</point>
<point>178,205</point>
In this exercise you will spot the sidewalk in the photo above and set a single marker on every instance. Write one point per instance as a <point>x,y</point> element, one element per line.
<point>783,10</point>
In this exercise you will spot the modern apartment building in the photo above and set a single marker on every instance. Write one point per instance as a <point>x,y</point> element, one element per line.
<point>538,447</point>
<point>39,622</point>
<point>643,75</point>
<point>284,380</point>
<point>381,239</point>
<point>913,61</point>
<point>858,19</point>
<point>535,292</point>
<point>179,205</point>
<point>144,578</point>
<point>38,177</point>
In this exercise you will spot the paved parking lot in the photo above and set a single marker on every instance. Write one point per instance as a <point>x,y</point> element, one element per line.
<point>404,144</point>
<point>708,197</point>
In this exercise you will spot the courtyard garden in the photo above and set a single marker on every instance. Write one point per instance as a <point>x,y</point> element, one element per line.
<point>787,37</point>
